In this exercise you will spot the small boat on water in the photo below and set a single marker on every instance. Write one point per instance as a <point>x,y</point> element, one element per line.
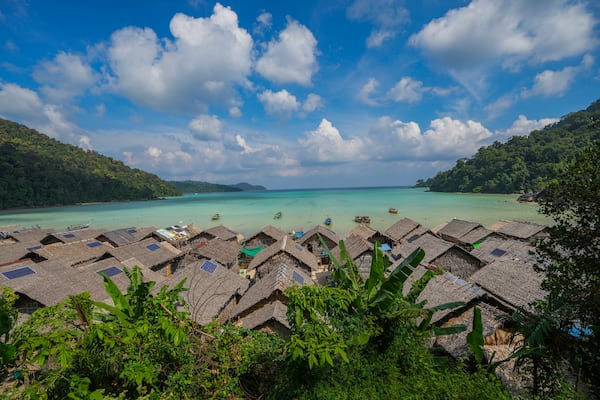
<point>216,217</point>
<point>277,215</point>
<point>362,219</point>
<point>393,210</point>
<point>328,221</point>
<point>77,227</point>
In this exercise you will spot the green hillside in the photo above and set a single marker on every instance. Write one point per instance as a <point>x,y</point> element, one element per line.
<point>524,163</point>
<point>206,187</point>
<point>37,170</point>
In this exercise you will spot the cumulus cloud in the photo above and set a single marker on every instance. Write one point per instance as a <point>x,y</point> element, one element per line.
<point>385,15</point>
<point>206,60</point>
<point>509,32</point>
<point>206,127</point>
<point>263,23</point>
<point>312,102</point>
<point>280,103</point>
<point>550,83</point>
<point>408,90</point>
<point>364,95</point>
<point>326,145</point>
<point>523,126</point>
<point>64,77</point>
<point>17,102</point>
<point>292,57</point>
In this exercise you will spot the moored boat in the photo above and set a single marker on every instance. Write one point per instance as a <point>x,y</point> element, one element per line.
<point>277,215</point>
<point>393,210</point>
<point>362,219</point>
<point>328,221</point>
<point>216,217</point>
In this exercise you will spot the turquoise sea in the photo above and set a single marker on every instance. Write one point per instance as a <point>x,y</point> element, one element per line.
<point>249,212</point>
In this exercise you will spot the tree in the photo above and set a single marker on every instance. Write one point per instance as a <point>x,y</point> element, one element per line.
<point>571,252</point>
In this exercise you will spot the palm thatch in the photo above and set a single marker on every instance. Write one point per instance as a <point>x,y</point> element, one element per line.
<point>224,252</point>
<point>271,318</point>
<point>125,236</point>
<point>266,237</point>
<point>403,229</point>
<point>519,230</point>
<point>363,231</point>
<point>283,252</point>
<point>270,288</point>
<point>146,253</point>
<point>213,290</point>
<point>71,236</point>
<point>178,236</point>
<point>74,253</point>
<point>220,232</point>
<point>493,248</point>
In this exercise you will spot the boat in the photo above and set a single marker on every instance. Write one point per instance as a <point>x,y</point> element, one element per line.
<point>277,215</point>
<point>328,221</point>
<point>77,227</point>
<point>393,210</point>
<point>362,219</point>
<point>216,217</point>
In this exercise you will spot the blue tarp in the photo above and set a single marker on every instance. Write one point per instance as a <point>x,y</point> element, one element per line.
<point>578,331</point>
<point>385,247</point>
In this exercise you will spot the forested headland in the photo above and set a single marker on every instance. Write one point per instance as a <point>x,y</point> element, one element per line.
<point>523,163</point>
<point>40,171</point>
<point>189,186</point>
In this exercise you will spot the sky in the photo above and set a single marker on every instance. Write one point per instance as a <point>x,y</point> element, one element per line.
<point>295,94</point>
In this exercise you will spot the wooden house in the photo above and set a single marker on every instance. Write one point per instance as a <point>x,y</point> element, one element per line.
<point>524,231</point>
<point>442,254</point>
<point>148,253</point>
<point>220,232</point>
<point>310,241</point>
<point>70,254</point>
<point>125,236</point>
<point>494,248</point>
<point>71,236</point>
<point>266,237</point>
<point>464,233</point>
<point>370,234</point>
<point>180,237</point>
<point>360,251</point>
<point>223,252</point>
<point>285,252</point>
<point>405,230</point>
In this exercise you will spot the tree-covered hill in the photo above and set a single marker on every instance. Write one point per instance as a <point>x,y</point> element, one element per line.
<point>206,187</point>
<point>522,163</point>
<point>36,170</point>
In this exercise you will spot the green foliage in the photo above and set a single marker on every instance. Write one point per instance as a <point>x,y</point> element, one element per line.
<point>206,187</point>
<point>40,171</point>
<point>522,163</point>
<point>475,338</point>
<point>8,318</point>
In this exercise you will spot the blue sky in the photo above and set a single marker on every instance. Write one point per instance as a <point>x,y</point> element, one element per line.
<point>295,94</point>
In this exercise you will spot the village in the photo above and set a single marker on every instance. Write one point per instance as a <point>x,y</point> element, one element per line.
<point>242,280</point>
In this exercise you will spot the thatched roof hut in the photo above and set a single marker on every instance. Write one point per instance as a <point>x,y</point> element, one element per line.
<point>442,254</point>
<point>360,250</point>
<point>71,236</point>
<point>404,229</point>
<point>270,318</point>
<point>266,237</point>
<point>213,290</point>
<point>125,236</point>
<point>178,236</point>
<point>526,231</point>
<point>222,233</point>
<point>224,252</point>
<point>270,289</point>
<point>494,248</point>
<point>462,232</point>
<point>147,253</point>
<point>283,252</point>
<point>363,231</point>
<point>71,254</point>
<point>512,281</point>
<point>28,236</point>
<point>310,240</point>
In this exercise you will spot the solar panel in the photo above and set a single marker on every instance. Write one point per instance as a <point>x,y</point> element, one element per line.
<point>18,273</point>
<point>68,235</point>
<point>412,238</point>
<point>299,248</point>
<point>298,278</point>
<point>94,244</point>
<point>498,252</point>
<point>34,248</point>
<point>208,266</point>
<point>111,271</point>
<point>131,230</point>
<point>153,247</point>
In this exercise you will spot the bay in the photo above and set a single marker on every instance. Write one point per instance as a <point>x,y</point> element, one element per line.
<point>249,212</point>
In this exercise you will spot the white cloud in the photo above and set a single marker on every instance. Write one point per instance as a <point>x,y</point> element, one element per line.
<point>17,102</point>
<point>292,57</point>
<point>206,127</point>
<point>523,126</point>
<point>204,63</point>
<point>385,15</point>
<point>509,32</point>
<point>280,103</point>
<point>263,23</point>
<point>550,83</point>
<point>326,145</point>
<point>65,77</point>
<point>100,110</point>
<point>364,95</point>
<point>408,90</point>
<point>312,102</point>
<point>235,112</point>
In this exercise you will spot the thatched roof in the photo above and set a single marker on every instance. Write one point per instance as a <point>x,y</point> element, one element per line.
<point>146,253</point>
<point>30,236</point>
<point>125,236</point>
<point>72,236</point>
<point>518,230</point>
<point>362,230</point>
<point>275,311</point>
<point>270,231</point>
<point>289,247</point>
<point>457,228</point>
<point>219,250</point>
<point>178,235</point>
<point>448,288</point>
<point>210,288</point>
<point>10,252</point>
<point>220,232</point>
<point>512,281</point>
<point>493,248</point>
<point>74,253</point>
<point>275,282</point>
<point>402,229</point>
<point>433,247</point>
<point>326,233</point>
<point>356,246</point>
<point>475,235</point>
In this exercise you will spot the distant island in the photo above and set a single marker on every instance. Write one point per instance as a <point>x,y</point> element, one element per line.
<point>189,186</point>
<point>38,171</point>
<point>524,164</point>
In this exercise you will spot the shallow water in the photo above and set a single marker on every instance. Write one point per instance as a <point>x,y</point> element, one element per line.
<point>249,212</point>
